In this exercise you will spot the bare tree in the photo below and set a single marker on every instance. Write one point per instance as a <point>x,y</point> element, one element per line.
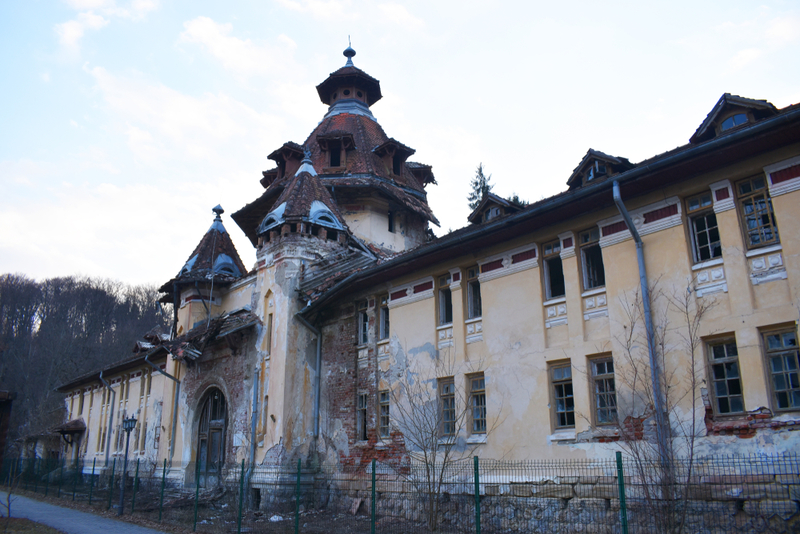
<point>436,412</point>
<point>677,320</point>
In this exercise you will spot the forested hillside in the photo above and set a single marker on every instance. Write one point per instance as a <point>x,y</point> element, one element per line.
<point>56,329</point>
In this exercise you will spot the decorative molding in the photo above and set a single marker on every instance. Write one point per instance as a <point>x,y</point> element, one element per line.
<point>474,330</point>
<point>763,250</point>
<point>588,316</point>
<point>767,268</point>
<point>411,299</point>
<point>785,186</point>
<point>445,336</point>
<point>726,203</point>
<point>565,238</point>
<point>595,305</point>
<point>556,312</point>
<point>707,264</point>
<point>637,216</point>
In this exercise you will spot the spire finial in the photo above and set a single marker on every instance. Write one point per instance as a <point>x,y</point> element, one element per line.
<point>219,211</point>
<point>349,53</point>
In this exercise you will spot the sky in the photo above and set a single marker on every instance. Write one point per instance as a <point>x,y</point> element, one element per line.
<point>123,122</point>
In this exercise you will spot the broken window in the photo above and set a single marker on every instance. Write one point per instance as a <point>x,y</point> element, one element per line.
<point>477,387</point>
<point>391,221</point>
<point>755,208</point>
<point>726,385</point>
<point>474,307</point>
<point>335,152</point>
<point>605,392</point>
<point>383,399</point>
<point>384,317</point>
<point>563,401</point>
<point>361,417</point>
<point>553,270</point>
<point>447,406</point>
<point>784,368</point>
<point>594,275</point>
<point>363,323</point>
<point>397,164</point>
<point>445,301</point>
<point>703,228</point>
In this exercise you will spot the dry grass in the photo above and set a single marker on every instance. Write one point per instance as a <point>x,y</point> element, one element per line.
<point>26,526</point>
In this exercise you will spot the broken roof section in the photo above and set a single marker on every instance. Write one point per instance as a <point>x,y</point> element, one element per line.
<point>727,105</point>
<point>215,258</point>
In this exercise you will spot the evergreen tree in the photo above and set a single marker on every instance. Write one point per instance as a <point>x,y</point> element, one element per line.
<point>480,186</point>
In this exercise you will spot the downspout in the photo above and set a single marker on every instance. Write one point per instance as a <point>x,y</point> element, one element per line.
<point>110,414</point>
<point>174,405</point>
<point>319,371</point>
<point>655,373</point>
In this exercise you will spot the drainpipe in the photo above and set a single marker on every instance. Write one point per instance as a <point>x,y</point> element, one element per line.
<point>655,373</point>
<point>174,405</point>
<point>319,371</point>
<point>110,414</point>
<point>253,425</point>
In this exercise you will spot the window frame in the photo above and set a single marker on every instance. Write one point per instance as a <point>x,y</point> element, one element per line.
<point>477,403</point>
<point>447,405</point>
<point>554,254</point>
<point>384,325</point>
<point>384,414</point>
<point>590,243</point>
<point>474,304</point>
<point>444,299</point>
<point>362,401</point>
<point>554,383</point>
<point>742,198</point>
<point>604,377</point>
<point>362,307</point>
<point>711,362</point>
<point>703,210</point>
<point>785,350</point>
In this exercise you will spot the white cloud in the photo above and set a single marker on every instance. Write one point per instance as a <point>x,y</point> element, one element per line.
<point>242,57</point>
<point>45,77</point>
<point>744,58</point>
<point>318,8</point>
<point>784,30</point>
<point>70,32</point>
<point>398,14</point>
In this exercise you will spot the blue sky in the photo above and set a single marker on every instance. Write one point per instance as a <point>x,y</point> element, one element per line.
<point>125,121</point>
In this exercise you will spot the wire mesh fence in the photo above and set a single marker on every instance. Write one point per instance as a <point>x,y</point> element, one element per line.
<point>623,495</point>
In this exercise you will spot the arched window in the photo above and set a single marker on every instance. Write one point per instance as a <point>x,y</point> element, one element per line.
<point>735,120</point>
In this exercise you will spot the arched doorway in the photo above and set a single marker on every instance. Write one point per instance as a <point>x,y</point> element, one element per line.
<point>211,438</point>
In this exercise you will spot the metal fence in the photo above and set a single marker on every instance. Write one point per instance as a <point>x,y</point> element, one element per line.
<point>626,495</point>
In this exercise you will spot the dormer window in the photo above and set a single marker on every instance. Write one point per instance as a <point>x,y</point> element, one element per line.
<point>733,121</point>
<point>597,170</point>
<point>397,164</point>
<point>335,151</point>
<point>491,213</point>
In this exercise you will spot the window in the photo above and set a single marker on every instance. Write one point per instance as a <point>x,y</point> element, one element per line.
<point>703,224</point>
<point>595,171</point>
<point>730,122</point>
<point>477,387</point>
<point>447,405</point>
<point>361,417</point>
<point>383,410</point>
<point>564,404</point>
<point>553,270</point>
<point>397,164</point>
<point>782,359</point>
<point>335,149</point>
<point>594,275</point>
<point>756,211</point>
<point>726,386</point>
<point>384,318</point>
<point>473,293</point>
<point>605,393</point>
<point>269,334</point>
<point>363,323</point>
<point>445,301</point>
<point>391,221</point>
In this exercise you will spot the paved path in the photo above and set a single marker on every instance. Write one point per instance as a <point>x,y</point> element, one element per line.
<point>69,520</point>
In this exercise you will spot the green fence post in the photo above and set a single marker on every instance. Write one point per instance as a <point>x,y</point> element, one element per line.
<point>135,486</point>
<point>60,478</point>
<point>623,510</point>
<point>477,499</point>
<point>372,528</point>
<point>163,483</point>
<point>111,483</point>
<point>196,495</point>
<point>241,500</point>
<point>297,501</point>
<point>78,470</point>
<point>91,481</point>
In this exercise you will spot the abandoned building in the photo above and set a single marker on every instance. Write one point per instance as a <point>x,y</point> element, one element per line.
<point>522,331</point>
